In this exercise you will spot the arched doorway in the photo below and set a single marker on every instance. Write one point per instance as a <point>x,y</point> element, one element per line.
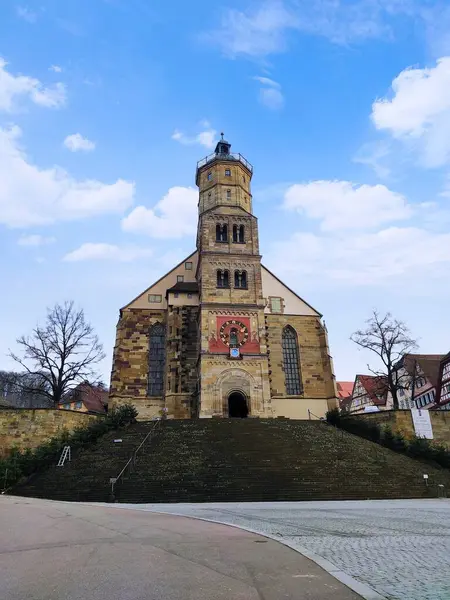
<point>237,405</point>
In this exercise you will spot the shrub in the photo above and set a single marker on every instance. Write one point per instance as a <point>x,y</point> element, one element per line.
<point>418,448</point>
<point>334,417</point>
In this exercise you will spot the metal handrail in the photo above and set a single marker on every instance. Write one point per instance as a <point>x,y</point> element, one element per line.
<point>311,414</point>
<point>131,461</point>
<point>232,156</point>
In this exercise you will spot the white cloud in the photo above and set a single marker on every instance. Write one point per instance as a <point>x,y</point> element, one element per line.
<point>206,137</point>
<point>26,14</point>
<point>12,87</point>
<point>344,205</point>
<point>419,112</point>
<point>174,216</point>
<point>76,143</point>
<point>391,256</point>
<point>44,196</point>
<point>267,27</point>
<point>56,69</point>
<point>270,94</point>
<point>374,155</point>
<point>255,33</point>
<point>35,240</point>
<point>267,81</point>
<point>100,251</point>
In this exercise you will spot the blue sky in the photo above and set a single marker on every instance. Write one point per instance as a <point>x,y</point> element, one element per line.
<point>342,106</point>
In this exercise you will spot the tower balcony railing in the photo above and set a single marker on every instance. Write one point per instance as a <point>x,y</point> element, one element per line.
<point>234,156</point>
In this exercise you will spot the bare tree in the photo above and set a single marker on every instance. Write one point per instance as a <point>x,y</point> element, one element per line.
<point>22,390</point>
<point>390,340</point>
<point>61,354</point>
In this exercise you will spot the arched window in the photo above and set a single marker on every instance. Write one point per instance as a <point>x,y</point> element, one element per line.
<point>221,233</point>
<point>223,279</point>
<point>156,358</point>
<point>240,279</point>
<point>238,234</point>
<point>228,194</point>
<point>291,362</point>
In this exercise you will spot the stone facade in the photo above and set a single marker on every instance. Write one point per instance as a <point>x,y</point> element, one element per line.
<point>29,428</point>
<point>223,315</point>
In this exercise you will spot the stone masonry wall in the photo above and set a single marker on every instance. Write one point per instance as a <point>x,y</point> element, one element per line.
<point>29,428</point>
<point>401,422</point>
<point>129,378</point>
<point>315,364</point>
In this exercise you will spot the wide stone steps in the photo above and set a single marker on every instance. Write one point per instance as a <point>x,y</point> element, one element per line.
<point>239,460</point>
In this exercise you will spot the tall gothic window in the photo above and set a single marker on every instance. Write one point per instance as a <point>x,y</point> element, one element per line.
<point>221,233</point>
<point>291,362</point>
<point>223,279</point>
<point>156,357</point>
<point>240,279</point>
<point>238,234</point>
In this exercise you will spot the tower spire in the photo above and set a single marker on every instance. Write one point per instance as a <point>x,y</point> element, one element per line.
<point>223,147</point>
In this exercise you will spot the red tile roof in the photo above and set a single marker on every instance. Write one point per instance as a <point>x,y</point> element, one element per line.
<point>376,387</point>
<point>94,398</point>
<point>344,388</point>
<point>429,364</point>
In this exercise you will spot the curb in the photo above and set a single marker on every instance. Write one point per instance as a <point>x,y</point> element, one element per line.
<point>364,590</point>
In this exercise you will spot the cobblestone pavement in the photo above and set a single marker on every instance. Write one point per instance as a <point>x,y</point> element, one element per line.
<point>400,548</point>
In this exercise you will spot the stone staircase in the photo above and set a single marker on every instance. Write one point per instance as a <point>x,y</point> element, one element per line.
<point>239,460</point>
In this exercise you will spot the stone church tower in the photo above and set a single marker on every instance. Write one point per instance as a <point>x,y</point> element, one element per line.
<point>220,335</point>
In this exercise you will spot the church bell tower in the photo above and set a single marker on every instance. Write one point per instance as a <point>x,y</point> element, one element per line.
<point>233,361</point>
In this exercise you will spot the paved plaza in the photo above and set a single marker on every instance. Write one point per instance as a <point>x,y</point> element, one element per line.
<point>400,548</point>
<point>68,551</point>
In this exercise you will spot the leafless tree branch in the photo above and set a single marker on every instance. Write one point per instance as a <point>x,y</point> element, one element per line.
<point>390,340</point>
<point>61,354</point>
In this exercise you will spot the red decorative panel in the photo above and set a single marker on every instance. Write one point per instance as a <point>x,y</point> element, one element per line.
<point>235,331</point>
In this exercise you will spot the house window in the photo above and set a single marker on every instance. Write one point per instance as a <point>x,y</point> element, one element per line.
<point>188,266</point>
<point>79,405</point>
<point>240,279</point>
<point>156,355</point>
<point>189,295</point>
<point>291,362</point>
<point>223,279</point>
<point>228,194</point>
<point>66,406</point>
<point>243,179</point>
<point>401,391</point>
<point>238,234</point>
<point>221,233</point>
<point>227,173</point>
<point>209,176</point>
<point>276,305</point>
<point>180,278</point>
<point>154,298</point>
<point>176,294</point>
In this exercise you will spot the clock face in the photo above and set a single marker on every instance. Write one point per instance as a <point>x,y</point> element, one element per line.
<point>234,333</point>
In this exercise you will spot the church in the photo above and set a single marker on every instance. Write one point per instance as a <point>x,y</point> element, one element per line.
<point>220,335</point>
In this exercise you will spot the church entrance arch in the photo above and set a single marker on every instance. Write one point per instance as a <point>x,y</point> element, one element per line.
<point>237,405</point>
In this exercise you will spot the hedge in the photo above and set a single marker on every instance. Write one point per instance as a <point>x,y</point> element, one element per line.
<point>23,463</point>
<point>415,447</point>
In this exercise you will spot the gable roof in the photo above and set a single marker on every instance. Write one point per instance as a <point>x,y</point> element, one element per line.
<point>158,280</point>
<point>344,389</point>
<point>292,291</point>
<point>94,398</point>
<point>375,386</point>
<point>428,363</point>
